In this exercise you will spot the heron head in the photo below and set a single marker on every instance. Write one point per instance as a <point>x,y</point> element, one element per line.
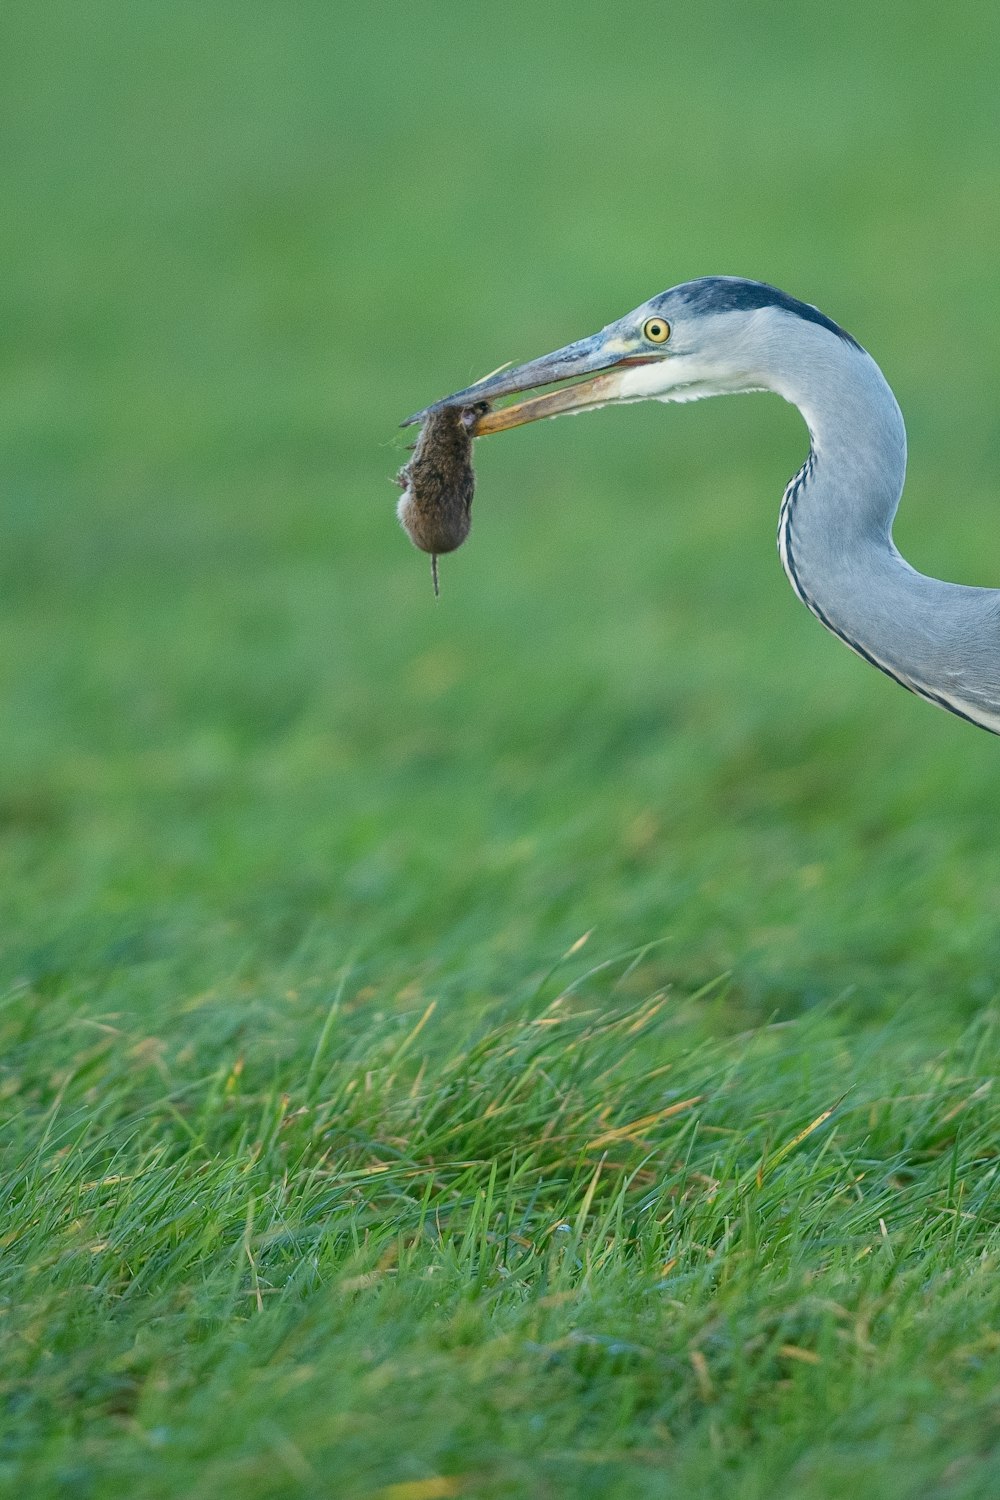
<point>704,338</point>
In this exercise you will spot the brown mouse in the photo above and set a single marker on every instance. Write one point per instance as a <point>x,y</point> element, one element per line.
<point>435,509</point>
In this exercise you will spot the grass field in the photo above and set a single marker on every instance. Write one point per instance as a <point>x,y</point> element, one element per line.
<point>538,1044</point>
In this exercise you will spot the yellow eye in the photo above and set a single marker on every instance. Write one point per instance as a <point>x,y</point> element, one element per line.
<point>656,330</point>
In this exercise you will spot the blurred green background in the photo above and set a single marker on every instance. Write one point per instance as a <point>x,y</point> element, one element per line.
<point>240,242</point>
<point>245,756</point>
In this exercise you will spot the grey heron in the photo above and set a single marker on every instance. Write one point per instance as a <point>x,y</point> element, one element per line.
<point>721,335</point>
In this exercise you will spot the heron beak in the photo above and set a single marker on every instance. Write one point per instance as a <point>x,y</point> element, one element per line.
<point>604,356</point>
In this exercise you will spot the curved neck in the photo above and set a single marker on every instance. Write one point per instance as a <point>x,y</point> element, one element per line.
<point>941,640</point>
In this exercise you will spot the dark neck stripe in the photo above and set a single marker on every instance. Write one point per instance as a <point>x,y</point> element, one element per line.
<point>792,494</point>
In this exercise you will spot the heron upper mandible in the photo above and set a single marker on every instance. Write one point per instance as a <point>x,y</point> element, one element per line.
<point>720,335</point>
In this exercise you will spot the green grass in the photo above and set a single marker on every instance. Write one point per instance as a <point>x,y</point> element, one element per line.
<point>324,1172</point>
<point>538,1264</point>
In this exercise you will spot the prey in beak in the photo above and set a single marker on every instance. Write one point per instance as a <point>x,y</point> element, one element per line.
<point>437,483</point>
<point>597,366</point>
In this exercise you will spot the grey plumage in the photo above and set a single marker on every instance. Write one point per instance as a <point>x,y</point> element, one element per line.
<point>715,294</point>
<point>941,640</point>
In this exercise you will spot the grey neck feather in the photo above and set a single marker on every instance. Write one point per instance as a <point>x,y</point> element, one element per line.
<point>941,640</point>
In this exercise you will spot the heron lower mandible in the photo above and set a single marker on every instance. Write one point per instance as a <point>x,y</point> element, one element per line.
<point>721,335</point>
